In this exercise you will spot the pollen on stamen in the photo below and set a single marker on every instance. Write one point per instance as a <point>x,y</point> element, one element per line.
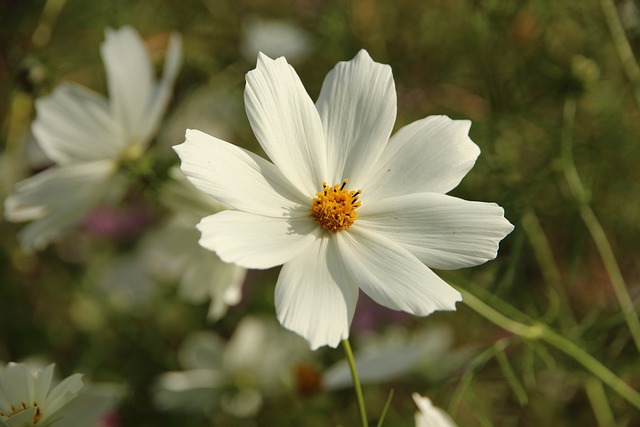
<point>335,207</point>
<point>37,414</point>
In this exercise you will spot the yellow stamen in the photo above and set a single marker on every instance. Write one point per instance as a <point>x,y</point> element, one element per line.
<point>335,207</point>
<point>38,414</point>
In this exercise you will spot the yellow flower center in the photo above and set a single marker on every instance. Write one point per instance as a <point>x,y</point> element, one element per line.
<point>14,410</point>
<point>335,207</point>
<point>131,153</point>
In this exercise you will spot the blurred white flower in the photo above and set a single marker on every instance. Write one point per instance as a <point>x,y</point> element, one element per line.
<point>429,415</point>
<point>332,239</point>
<point>274,38</point>
<point>172,252</point>
<point>387,358</point>
<point>27,398</point>
<point>257,361</point>
<point>88,136</point>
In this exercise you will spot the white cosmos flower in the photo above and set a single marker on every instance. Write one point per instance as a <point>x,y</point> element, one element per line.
<point>258,360</point>
<point>28,398</point>
<point>429,415</point>
<point>380,231</point>
<point>87,136</point>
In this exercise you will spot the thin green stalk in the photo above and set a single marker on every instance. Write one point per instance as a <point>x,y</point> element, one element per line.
<point>512,379</point>
<point>478,362</point>
<point>620,41</point>
<point>548,266</point>
<point>594,227</point>
<point>599,403</point>
<point>543,333</point>
<point>43,31</point>
<point>22,106</point>
<point>356,382</point>
<point>386,408</point>
<point>11,164</point>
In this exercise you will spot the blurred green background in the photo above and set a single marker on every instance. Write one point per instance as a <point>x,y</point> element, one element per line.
<point>535,77</point>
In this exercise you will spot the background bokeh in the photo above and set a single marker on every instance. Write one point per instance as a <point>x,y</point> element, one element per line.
<point>534,77</point>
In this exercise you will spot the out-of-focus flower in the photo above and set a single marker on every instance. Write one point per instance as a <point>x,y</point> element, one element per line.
<point>28,399</point>
<point>259,359</point>
<point>89,137</point>
<point>429,415</point>
<point>388,357</point>
<point>274,38</point>
<point>172,252</point>
<point>303,210</point>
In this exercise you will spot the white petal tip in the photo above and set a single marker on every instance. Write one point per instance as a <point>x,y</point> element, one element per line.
<point>363,53</point>
<point>316,343</point>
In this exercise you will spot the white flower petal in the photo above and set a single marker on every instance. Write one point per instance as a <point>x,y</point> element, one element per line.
<point>92,404</point>
<point>255,241</point>
<point>202,350</point>
<point>247,348</point>
<point>274,38</point>
<point>195,379</point>
<point>263,353</point>
<point>14,379</point>
<point>23,419</point>
<point>391,276</point>
<point>375,366</point>
<point>286,123</point>
<point>181,196</point>
<point>207,277</point>
<point>162,91</point>
<point>315,297</point>
<point>173,253</point>
<point>57,199</point>
<point>191,391</point>
<point>391,355</point>
<point>42,383</point>
<point>74,124</point>
<point>357,106</point>
<point>441,231</point>
<point>429,155</point>
<point>130,80</point>
<point>237,177</point>
<point>62,393</point>
<point>429,415</point>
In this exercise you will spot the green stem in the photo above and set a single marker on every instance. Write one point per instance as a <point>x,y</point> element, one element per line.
<point>42,34</point>
<point>543,333</point>
<point>594,227</point>
<point>386,408</point>
<point>356,382</point>
<point>600,403</point>
<point>548,266</point>
<point>620,41</point>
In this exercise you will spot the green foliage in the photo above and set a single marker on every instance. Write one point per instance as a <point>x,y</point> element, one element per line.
<point>510,67</point>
